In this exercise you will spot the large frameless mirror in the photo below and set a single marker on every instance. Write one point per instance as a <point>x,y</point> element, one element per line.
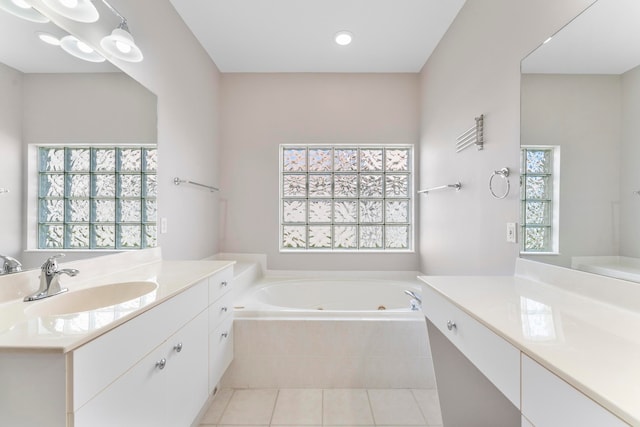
<point>53,99</point>
<point>580,100</point>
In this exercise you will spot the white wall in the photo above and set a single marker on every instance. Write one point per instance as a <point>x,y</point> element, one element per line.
<point>476,69</point>
<point>10,166</point>
<point>262,111</point>
<point>630,172</point>
<point>582,114</point>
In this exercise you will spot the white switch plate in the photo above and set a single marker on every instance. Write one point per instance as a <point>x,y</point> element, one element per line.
<point>163,225</point>
<point>511,232</point>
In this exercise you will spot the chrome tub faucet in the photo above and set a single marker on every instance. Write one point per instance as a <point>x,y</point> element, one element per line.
<point>50,279</point>
<point>416,301</point>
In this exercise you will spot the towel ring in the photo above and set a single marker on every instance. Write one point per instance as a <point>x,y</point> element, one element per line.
<point>504,174</point>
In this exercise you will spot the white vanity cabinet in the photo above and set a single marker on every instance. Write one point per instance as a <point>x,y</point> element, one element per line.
<point>117,381</point>
<point>548,401</point>
<point>220,325</point>
<point>498,360</point>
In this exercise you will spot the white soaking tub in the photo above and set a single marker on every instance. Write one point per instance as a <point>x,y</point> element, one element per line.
<point>330,332</point>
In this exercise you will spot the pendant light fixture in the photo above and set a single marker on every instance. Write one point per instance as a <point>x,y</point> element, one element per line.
<point>73,46</point>
<point>119,43</point>
<point>76,10</point>
<point>23,10</point>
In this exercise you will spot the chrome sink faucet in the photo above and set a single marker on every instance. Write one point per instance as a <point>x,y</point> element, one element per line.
<point>10,265</point>
<point>50,279</point>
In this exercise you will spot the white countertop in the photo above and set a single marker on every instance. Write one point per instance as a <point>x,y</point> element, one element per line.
<point>62,333</point>
<point>592,344</point>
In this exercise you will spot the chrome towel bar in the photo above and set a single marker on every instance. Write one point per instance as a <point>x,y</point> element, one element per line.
<point>457,186</point>
<point>178,181</point>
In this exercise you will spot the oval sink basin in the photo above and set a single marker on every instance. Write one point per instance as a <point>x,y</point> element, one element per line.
<point>91,298</point>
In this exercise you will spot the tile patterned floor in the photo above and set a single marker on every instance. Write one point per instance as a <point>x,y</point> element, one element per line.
<point>329,407</point>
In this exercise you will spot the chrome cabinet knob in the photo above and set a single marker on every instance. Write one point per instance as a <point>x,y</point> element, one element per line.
<point>224,309</point>
<point>451,325</point>
<point>225,334</point>
<point>178,347</point>
<point>160,364</point>
<point>223,284</point>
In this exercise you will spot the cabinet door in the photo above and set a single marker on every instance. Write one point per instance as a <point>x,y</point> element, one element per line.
<point>187,382</point>
<point>135,399</point>
<point>548,401</point>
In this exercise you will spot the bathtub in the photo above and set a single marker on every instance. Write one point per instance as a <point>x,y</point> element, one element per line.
<point>329,332</point>
<point>329,298</point>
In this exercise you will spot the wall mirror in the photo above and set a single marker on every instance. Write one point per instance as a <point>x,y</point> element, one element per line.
<point>580,95</point>
<point>51,97</point>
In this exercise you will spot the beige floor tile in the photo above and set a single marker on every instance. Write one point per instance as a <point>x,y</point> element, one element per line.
<point>429,404</point>
<point>395,408</point>
<point>298,407</point>
<point>217,407</point>
<point>251,407</point>
<point>346,407</point>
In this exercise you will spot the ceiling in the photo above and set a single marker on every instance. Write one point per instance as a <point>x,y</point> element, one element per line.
<point>602,40</point>
<point>395,36</point>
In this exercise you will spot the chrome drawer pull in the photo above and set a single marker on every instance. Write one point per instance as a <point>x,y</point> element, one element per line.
<point>160,364</point>
<point>451,325</point>
<point>224,309</point>
<point>225,334</point>
<point>178,347</point>
<point>223,284</point>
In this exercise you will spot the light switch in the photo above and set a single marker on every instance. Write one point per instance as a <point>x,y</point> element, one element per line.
<point>511,232</point>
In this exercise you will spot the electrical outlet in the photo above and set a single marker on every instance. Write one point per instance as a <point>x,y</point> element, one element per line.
<point>511,232</point>
<point>163,225</point>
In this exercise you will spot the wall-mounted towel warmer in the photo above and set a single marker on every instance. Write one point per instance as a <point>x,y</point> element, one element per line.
<point>472,136</point>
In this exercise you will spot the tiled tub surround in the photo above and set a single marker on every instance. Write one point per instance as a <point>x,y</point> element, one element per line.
<point>85,363</point>
<point>570,339</point>
<point>330,338</point>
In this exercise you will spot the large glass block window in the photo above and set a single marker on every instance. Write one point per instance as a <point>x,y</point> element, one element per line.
<point>537,196</point>
<point>97,197</point>
<point>346,198</point>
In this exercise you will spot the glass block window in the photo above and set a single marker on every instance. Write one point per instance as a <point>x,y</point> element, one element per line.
<point>537,196</point>
<point>346,198</point>
<point>97,197</point>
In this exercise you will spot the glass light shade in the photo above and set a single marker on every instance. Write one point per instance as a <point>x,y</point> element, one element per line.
<point>77,10</point>
<point>80,49</point>
<point>17,8</point>
<point>120,44</point>
<point>48,38</point>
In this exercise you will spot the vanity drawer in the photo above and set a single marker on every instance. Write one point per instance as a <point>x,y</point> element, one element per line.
<point>542,392</point>
<point>220,351</point>
<point>220,310</point>
<point>96,364</point>
<point>498,360</point>
<point>220,283</point>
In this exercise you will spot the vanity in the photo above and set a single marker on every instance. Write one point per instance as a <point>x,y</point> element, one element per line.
<point>560,346</point>
<point>153,359</point>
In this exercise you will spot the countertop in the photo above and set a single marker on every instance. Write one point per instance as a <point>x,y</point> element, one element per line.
<point>592,344</point>
<point>20,330</point>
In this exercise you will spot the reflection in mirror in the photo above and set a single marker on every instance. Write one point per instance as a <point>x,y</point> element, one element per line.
<point>50,97</point>
<point>580,95</point>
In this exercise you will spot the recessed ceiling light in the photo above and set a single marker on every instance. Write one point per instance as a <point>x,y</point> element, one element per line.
<point>343,38</point>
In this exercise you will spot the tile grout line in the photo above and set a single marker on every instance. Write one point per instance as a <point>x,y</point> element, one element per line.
<point>415,399</point>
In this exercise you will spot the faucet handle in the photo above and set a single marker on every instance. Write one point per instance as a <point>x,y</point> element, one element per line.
<point>50,266</point>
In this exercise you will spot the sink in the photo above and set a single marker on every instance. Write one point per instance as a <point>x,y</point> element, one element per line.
<point>94,298</point>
